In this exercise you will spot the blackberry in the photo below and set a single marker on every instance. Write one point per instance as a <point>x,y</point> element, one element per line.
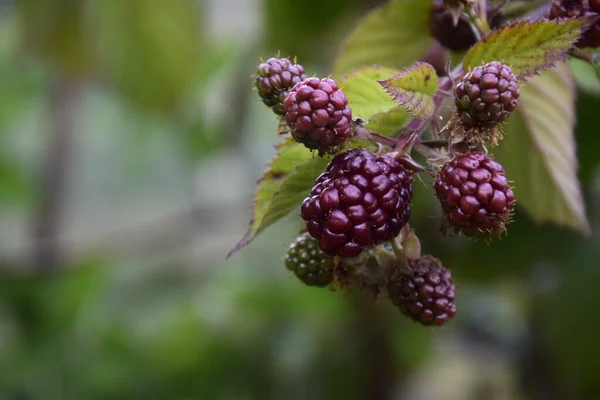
<point>425,293</point>
<point>274,78</point>
<point>308,263</point>
<point>484,98</point>
<point>576,9</point>
<point>455,37</point>
<point>475,196</point>
<point>487,95</point>
<point>361,200</point>
<point>318,114</point>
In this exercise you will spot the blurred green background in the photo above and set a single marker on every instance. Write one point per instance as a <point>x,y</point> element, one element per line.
<point>130,140</point>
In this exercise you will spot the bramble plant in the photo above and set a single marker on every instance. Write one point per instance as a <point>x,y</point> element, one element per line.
<point>348,167</point>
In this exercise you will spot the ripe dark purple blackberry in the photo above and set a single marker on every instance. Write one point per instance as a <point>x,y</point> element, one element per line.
<point>309,263</point>
<point>487,95</point>
<point>426,293</point>
<point>459,37</point>
<point>274,78</point>
<point>475,196</point>
<point>318,114</point>
<point>576,9</point>
<point>361,200</point>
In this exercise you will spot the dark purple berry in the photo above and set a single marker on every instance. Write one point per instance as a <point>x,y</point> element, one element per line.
<point>459,37</point>
<point>361,200</point>
<point>318,114</point>
<point>476,198</point>
<point>576,9</point>
<point>275,78</point>
<point>425,293</point>
<point>487,95</point>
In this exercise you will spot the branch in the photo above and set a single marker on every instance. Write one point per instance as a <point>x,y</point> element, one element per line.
<point>47,252</point>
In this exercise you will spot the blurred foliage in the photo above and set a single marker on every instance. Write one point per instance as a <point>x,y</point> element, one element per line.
<point>146,309</point>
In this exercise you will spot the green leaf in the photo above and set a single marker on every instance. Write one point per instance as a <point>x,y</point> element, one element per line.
<point>538,151</point>
<point>528,47</point>
<point>15,184</point>
<point>286,183</point>
<point>290,157</point>
<point>414,88</point>
<point>388,123</point>
<point>150,50</point>
<point>365,96</point>
<point>54,30</point>
<point>586,76</point>
<point>395,35</point>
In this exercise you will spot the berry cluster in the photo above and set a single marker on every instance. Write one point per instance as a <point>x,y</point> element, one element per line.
<point>361,200</point>
<point>274,79</point>
<point>475,195</point>
<point>356,215</point>
<point>487,95</point>
<point>315,110</point>
<point>318,114</point>
<point>424,294</point>
<point>309,264</point>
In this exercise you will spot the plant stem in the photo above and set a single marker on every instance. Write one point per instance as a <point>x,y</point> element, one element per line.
<point>435,144</point>
<point>397,250</point>
<point>376,137</point>
<point>479,22</point>
<point>47,252</point>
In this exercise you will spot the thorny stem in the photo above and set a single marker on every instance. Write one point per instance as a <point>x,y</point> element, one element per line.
<point>434,144</point>
<point>425,150</point>
<point>361,132</point>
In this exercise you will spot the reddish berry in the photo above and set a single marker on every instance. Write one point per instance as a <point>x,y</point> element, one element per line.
<point>475,196</point>
<point>426,293</point>
<point>274,79</point>
<point>309,263</point>
<point>487,95</point>
<point>361,200</point>
<point>576,9</point>
<point>318,114</point>
<point>459,37</point>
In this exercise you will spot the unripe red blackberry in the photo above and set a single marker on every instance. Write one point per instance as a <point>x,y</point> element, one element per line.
<point>309,263</point>
<point>361,200</point>
<point>455,37</point>
<point>577,9</point>
<point>274,78</point>
<point>476,198</point>
<point>318,114</point>
<point>426,293</point>
<point>487,95</point>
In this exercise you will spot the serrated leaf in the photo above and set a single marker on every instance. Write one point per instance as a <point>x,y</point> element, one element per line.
<point>388,123</point>
<point>394,35</point>
<point>538,151</point>
<point>365,95</point>
<point>528,47</point>
<point>286,182</point>
<point>414,89</point>
<point>289,154</point>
